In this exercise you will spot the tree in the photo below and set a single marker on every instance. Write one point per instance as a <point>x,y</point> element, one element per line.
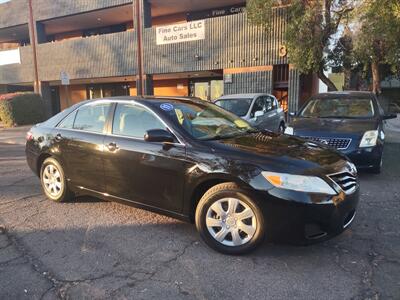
<point>377,36</point>
<point>312,26</point>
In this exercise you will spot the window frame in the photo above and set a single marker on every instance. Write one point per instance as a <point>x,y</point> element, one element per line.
<point>75,112</point>
<point>133,105</point>
<point>252,113</point>
<point>109,131</point>
<point>105,126</point>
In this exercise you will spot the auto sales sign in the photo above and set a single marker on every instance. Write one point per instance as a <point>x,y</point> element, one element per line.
<point>178,33</point>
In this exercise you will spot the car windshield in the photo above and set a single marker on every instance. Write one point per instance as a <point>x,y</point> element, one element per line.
<point>339,108</point>
<point>239,107</point>
<point>206,121</point>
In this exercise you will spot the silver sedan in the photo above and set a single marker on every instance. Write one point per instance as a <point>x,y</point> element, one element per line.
<point>260,110</point>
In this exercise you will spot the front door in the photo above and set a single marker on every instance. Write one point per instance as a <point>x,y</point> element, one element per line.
<point>263,113</point>
<point>139,171</point>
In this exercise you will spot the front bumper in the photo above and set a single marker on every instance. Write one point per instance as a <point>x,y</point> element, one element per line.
<point>306,223</point>
<point>365,158</point>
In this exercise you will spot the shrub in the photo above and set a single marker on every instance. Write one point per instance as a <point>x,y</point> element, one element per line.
<point>21,109</point>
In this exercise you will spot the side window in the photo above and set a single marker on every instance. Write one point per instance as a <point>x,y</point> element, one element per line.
<point>269,103</point>
<point>68,122</point>
<point>133,121</point>
<point>259,105</point>
<point>92,117</point>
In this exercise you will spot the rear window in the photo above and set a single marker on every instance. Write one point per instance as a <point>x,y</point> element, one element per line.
<point>92,117</point>
<point>239,107</point>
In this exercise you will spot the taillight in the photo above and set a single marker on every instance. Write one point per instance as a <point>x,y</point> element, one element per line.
<point>29,136</point>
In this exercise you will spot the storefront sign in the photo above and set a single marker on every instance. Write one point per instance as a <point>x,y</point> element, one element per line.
<point>216,12</point>
<point>178,33</point>
<point>9,57</point>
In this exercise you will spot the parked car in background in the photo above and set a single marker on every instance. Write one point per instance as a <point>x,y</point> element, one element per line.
<point>260,110</point>
<point>351,122</point>
<point>192,160</point>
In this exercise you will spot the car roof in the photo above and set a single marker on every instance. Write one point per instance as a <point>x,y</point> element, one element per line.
<point>149,99</point>
<point>343,94</point>
<point>243,96</point>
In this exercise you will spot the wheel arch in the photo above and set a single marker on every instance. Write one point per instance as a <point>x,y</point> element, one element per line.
<point>204,185</point>
<point>42,157</point>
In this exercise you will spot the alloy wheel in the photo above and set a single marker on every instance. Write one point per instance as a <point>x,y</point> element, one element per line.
<point>52,180</point>
<point>231,222</point>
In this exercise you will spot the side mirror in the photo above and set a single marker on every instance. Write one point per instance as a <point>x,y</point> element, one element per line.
<point>292,114</point>
<point>391,116</point>
<point>158,135</point>
<point>258,113</point>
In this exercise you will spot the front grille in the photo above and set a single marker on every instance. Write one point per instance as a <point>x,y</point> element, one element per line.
<point>337,143</point>
<point>346,181</point>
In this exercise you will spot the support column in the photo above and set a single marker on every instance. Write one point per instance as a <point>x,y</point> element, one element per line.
<point>32,36</point>
<point>45,91</point>
<point>294,89</point>
<point>148,85</point>
<point>142,19</point>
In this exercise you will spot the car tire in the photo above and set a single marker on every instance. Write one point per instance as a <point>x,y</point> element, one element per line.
<point>282,127</point>
<point>239,222</point>
<point>54,182</point>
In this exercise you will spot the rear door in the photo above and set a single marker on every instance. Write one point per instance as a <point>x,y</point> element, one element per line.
<point>150,173</point>
<point>80,142</point>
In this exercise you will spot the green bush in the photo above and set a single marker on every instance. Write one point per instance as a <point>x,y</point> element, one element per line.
<point>21,109</point>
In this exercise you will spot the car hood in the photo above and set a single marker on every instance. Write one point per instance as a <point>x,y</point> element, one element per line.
<point>281,153</point>
<point>333,126</point>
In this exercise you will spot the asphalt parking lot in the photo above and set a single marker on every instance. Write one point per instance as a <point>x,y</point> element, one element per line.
<point>97,250</point>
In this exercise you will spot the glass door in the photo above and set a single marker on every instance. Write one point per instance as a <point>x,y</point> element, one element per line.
<point>201,90</point>
<point>217,89</point>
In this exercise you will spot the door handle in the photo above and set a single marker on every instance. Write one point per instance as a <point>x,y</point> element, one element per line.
<point>112,147</point>
<point>58,137</point>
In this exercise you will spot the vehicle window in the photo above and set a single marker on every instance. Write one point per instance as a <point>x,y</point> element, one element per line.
<point>339,108</point>
<point>259,105</point>
<point>269,103</point>
<point>239,106</point>
<point>68,122</point>
<point>134,120</point>
<point>92,117</point>
<point>206,121</point>
<point>275,104</point>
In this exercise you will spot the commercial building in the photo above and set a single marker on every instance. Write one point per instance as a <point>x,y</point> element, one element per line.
<point>75,50</point>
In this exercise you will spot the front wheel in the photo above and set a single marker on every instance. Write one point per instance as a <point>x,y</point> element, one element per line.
<point>53,180</point>
<point>228,220</point>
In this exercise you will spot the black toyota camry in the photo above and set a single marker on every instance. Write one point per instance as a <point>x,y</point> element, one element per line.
<point>351,122</point>
<point>192,160</point>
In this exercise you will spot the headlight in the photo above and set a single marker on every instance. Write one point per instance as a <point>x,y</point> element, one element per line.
<point>309,184</point>
<point>369,139</point>
<point>289,130</point>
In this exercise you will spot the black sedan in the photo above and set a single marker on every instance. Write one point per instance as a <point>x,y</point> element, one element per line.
<point>351,122</point>
<point>194,161</point>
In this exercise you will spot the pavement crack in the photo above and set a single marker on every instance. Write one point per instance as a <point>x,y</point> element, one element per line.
<point>21,199</point>
<point>35,264</point>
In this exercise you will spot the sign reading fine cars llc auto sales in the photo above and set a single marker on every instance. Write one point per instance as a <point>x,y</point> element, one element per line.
<point>178,33</point>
